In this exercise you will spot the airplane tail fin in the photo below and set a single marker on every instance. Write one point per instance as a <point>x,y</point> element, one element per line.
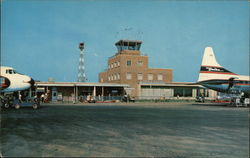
<point>210,68</point>
<point>209,58</point>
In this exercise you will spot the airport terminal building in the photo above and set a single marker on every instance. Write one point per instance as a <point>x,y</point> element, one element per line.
<point>127,73</point>
<point>129,66</point>
<point>77,92</point>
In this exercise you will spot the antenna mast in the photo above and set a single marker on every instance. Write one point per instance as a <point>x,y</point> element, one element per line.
<point>81,77</point>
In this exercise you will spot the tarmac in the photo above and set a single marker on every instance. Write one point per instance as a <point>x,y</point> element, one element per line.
<point>178,130</point>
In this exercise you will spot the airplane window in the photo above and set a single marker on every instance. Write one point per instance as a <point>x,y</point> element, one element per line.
<point>9,71</point>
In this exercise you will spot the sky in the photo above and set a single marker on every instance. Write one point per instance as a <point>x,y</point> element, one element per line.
<point>40,38</point>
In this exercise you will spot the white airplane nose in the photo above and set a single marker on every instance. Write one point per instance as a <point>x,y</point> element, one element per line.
<point>30,81</point>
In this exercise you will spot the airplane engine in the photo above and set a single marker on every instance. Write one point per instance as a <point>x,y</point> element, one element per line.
<point>5,82</point>
<point>230,83</point>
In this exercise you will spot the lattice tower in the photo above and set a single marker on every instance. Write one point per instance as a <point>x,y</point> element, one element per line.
<point>81,77</point>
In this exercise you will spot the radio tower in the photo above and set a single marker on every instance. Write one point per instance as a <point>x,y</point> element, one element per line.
<point>81,77</point>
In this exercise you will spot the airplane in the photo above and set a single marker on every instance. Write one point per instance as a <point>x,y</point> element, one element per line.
<point>12,81</point>
<point>214,76</point>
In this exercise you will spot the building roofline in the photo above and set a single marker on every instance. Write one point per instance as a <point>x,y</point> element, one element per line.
<point>85,84</point>
<point>172,84</point>
<point>128,41</point>
<point>160,68</point>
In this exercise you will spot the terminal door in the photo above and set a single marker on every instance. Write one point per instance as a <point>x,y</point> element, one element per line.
<point>54,94</point>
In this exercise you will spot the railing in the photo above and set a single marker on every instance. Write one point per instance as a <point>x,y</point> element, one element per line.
<point>82,99</point>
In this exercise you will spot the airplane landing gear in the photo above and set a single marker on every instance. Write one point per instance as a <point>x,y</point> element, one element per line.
<point>6,105</point>
<point>5,101</point>
<point>241,100</point>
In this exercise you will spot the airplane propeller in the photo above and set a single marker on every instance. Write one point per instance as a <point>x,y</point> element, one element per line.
<point>230,83</point>
<point>32,82</point>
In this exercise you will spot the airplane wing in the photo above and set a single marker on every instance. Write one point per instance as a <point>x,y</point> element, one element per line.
<point>215,82</point>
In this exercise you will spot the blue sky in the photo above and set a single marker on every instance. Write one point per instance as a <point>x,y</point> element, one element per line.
<point>40,37</point>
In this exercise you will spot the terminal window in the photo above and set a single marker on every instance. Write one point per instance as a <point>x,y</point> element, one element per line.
<point>150,76</point>
<point>139,76</point>
<point>128,76</point>
<point>159,77</point>
<point>139,63</point>
<point>129,62</point>
<point>183,92</point>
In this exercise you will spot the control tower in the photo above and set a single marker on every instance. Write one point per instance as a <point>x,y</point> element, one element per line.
<point>81,77</point>
<point>130,66</point>
<point>128,47</point>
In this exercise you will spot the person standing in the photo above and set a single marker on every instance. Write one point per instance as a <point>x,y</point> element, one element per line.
<point>20,97</point>
<point>42,98</point>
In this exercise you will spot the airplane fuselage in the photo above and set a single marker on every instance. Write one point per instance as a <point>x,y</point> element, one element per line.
<point>213,76</point>
<point>12,81</point>
<point>238,86</point>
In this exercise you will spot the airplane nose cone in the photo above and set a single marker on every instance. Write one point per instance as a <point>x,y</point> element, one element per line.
<point>32,82</point>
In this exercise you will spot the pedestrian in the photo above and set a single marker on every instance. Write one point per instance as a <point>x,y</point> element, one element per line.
<point>20,97</point>
<point>42,98</point>
<point>88,98</point>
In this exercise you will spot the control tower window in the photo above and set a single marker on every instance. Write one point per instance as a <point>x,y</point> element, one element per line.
<point>125,47</point>
<point>128,45</point>
<point>119,48</point>
<point>137,47</point>
<point>131,47</point>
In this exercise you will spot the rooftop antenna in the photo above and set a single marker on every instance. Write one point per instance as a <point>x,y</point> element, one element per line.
<point>129,33</point>
<point>81,77</point>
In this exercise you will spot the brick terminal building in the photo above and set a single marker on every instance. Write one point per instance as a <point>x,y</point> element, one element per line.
<point>129,66</point>
<point>128,72</point>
